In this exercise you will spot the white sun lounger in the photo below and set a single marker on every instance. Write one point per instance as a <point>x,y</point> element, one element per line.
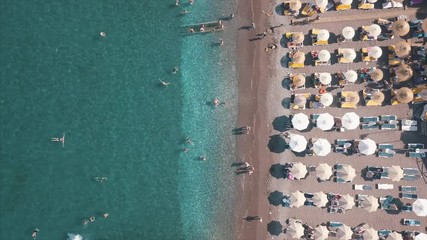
<point>384,186</point>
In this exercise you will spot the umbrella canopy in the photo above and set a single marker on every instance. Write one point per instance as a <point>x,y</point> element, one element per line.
<point>344,233</point>
<point>298,57</point>
<point>404,72</point>
<point>295,230</point>
<point>378,97</point>
<point>298,37</point>
<point>370,204</point>
<point>347,173</point>
<point>295,5</point>
<point>348,32</point>
<point>370,234</point>
<point>402,49</point>
<point>323,172</point>
<point>299,170</point>
<point>275,228</point>
<point>321,233</point>
<point>320,199</point>
<point>326,99</point>
<point>298,143</point>
<point>419,207</point>
<point>421,236</point>
<point>351,76</point>
<point>404,95</point>
<point>300,100</point>
<point>346,202</point>
<point>350,121</point>
<point>298,80</point>
<point>300,121</point>
<point>346,2</point>
<point>324,55</point>
<point>367,146</point>
<point>349,54</point>
<point>323,34</point>
<point>377,74</point>
<point>321,147</point>
<point>325,121</point>
<point>374,30</point>
<point>400,27</point>
<point>424,25</point>
<point>321,3</point>
<point>375,52</point>
<point>297,199</point>
<point>325,78</point>
<point>352,97</point>
<point>394,236</point>
<point>395,173</point>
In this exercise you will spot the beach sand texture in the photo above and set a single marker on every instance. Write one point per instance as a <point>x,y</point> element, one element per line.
<point>261,95</point>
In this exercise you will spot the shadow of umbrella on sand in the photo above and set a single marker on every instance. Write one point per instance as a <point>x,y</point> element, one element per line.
<point>281,123</point>
<point>275,228</point>
<point>275,198</point>
<point>277,171</point>
<point>277,144</point>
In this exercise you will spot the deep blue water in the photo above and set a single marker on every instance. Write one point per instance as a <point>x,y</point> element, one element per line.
<point>58,75</point>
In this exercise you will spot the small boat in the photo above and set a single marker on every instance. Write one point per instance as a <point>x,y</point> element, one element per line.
<point>206,27</point>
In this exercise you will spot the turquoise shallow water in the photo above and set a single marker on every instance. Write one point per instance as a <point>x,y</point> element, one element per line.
<point>58,75</point>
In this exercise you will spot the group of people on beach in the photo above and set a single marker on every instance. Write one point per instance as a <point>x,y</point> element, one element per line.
<point>244,167</point>
<point>242,130</point>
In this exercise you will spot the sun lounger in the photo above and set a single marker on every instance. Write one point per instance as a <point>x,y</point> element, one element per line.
<point>384,232</point>
<point>309,203</point>
<point>415,146</point>
<point>348,105</point>
<point>409,195</point>
<point>339,180</point>
<point>388,117</point>
<point>296,65</point>
<point>343,7</point>
<point>411,222</point>
<point>384,186</point>
<point>406,208</point>
<point>362,187</point>
<point>408,189</point>
<point>411,171</point>
<point>416,154</point>
<point>385,150</point>
<point>365,6</point>
<point>370,126</point>
<point>335,224</point>
<point>341,142</point>
<point>392,4</point>
<point>338,166</point>
<point>411,177</point>
<point>369,119</point>
<point>385,146</point>
<point>389,126</point>
<point>308,10</point>
<point>409,125</point>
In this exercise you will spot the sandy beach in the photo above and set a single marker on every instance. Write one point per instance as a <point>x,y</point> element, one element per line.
<point>261,94</point>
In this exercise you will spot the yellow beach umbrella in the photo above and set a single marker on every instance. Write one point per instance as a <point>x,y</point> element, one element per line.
<point>404,72</point>
<point>298,57</point>
<point>404,95</point>
<point>400,27</point>
<point>403,49</point>
<point>295,5</point>
<point>298,37</point>
<point>298,80</point>
<point>352,97</point>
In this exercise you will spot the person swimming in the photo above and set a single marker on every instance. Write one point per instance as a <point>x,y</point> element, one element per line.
<point>85,222</point>
<point>34,234</point>
<point>175,70</point>
<point>92,219</point>
<point>184,12</point>
<point>103,34</point>
<point>203,158</point>
<point>164,83</point>
<point>215,102</point>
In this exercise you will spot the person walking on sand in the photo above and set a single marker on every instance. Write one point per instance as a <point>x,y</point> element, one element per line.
<point>253,25</point>
<point>253,218</point>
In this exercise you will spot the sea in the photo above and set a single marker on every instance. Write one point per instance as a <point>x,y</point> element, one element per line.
<point>59,76</point>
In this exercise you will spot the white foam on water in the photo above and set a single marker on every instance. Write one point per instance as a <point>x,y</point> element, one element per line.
<point>72,236</point>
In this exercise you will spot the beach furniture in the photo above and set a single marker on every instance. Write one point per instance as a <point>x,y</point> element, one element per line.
<point>409,189</point>
<point>322,79</point>
<point>417,154</point>
<point>370,126</point>
<point>384,186</point>
<point>339,180</point>
<point>338,167</point>
<point>388,117</point>
<point>299,101</point>
<point>392,4</point>
<point>373,97</point>
<point>365,5</point>
<point>297,81</point>
<point>393,59</point>
<point>365,55</point>
<point>297,59</point>
<point>402,95</point>
<point>319,36</point>
<point>309,9</point>
<point>385,150</point>
<point>406,208</point>
<point>391,125</point>
<point>407,177</point>
<point>408,195</point>
<point>346,55</point>
<point>420,94</point>
<point>333,224</point>
<point>349,99</point>
<point>409,125</point>
<point>411,222</point>
<point>369,119</point>
<point>291,8</point>
<point>343,5</point>
<point>362,187</point>
<point>415,145</point>
<point>384,233</point>
<point>295,39</point>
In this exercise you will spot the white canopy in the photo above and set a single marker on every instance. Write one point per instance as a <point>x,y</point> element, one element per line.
<point>321,233</point>
<point>375,52</point>
<point>325,78</point>
<point>370,234</point>
<point>347,173</point>
<point>395,173</point>
<point>299,170</point>
<point>367,146</point>
<point>325,121</point>
<point>297,199</point>
<point>298,143</point>
<point>346,202</point>
<point>323,171</point>
<point>295,230</point>
<point>324,55</point>
<point>421,236</point>
<point>419,207</point>
<point>320,199</point>
<point>323,34</point>
<point>349,54</point>
<point>300,121</point>
<point>374,30</point>
<point>351,76</point>
<point>321,147</point>
<point>346,2</point>
<point>348,32</point>
<point>326,99</point>
<point>321,3</point>
<point>350,121</point>
<point>370,204</point>
<point>344,233</point>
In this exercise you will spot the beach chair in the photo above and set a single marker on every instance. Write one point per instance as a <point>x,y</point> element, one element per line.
<point>315,40</point>
<point>334,225</point>
<point>406,208</point>
<point>408,195</point>
<point>391,4</point>
<point>300,107</point>
<point>341,142</point>
<point>409,189</point>
<point>415,146</point>
<point>370,126</point>
<point>365,6</point>
<point>339,180</point>
<point>417,154</point>
<point>411,177</point>
<point>296,65</point>
<point>292,44</point>
<point>309,203</point>
<point>369,119</point>
<point>343,7</point>
<point>388,117</point>
<point>411,222</point>
<point>365,56</point>
<point>383,233</point>
<point>342,59</point>
<point>308,10</point>
<point>409,125</point>
<point>384,186</point>
<point>346,104</point>
<point>338,167</point>
<point>390,126</point>
<point>385,150</point>
<point>362,187</point>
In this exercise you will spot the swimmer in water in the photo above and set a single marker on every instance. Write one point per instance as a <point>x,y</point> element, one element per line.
<point>85,221</point>
<point>184,12</point>
<point>164,83</point>
<point>203,158</point>
<point>92,219</point>
<point>103,34</point>
<point>106,215</point>
<point>175,70</point>
<point>34,234</point>
<point>216,102</point>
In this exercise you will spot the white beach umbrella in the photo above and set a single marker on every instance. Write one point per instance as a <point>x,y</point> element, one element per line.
<point>348,32</point>
<point>346,2</point>
<point>295,5</point>
<point>297,143</point>
<point>349,54</point>
<point>299,170</point>
<point>325,78</point>
<point>370,204</point>
<point>295,230</point>
<point>419,207</point>
<point>370,234</point>
<point>367,146</point>
<point>395,173</point>
<point>421,236</point>
<point>326,99</point>
<point>320,199</point>
<point>347,173</point>
<point>297,199</point>
<point>300,121</point>
<point>324,55</point>
<point>344,233</point>
<point>325,121</point>
<point>324,171</point>
<point>350,121</point>
<point>394,236</point>
<point>321,3</point>
<point>351,76</point>
<point>323,34</point>
<point>375,52</point>
<point>321,147</point>
<point>372,1</point>
<point>374,30</point>
<point>321,233</point>
<point>346,202</point>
